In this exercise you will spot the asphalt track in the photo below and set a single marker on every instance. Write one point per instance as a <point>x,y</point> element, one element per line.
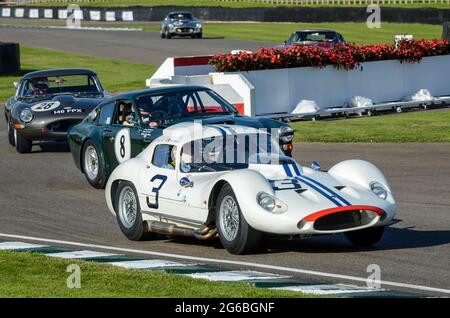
<point>137,46</point>
<point>43,195</point>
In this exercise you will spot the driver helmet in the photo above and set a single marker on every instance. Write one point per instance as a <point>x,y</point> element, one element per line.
<point>39,86</point>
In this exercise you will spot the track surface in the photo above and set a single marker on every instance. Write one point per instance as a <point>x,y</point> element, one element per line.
<point>42,194</point>
<point>137,46</point>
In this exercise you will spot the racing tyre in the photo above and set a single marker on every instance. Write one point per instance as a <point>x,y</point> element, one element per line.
<point>92,165</point>
<point>22,145</point>
<point>128,212</point>
<point>10,134</point>
<point>365,237</point>
<point>234,232</point>
<point>200,35</point>
<point>162,34</point>
<point>167,34</point>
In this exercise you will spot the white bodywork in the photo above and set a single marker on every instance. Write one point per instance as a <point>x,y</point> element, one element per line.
<point>308,194</point>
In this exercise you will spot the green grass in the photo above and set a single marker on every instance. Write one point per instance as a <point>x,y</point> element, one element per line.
<point>34,275</point>
<point>232,4</point>
<point>115,75</point>
<point>352,32</point>
<point>428,126</point>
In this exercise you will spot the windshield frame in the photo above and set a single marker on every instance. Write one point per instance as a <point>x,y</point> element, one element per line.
<point>23,84</point>
<point>226,106</point>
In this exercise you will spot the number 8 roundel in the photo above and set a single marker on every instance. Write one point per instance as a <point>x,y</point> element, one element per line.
<point>122,145</point>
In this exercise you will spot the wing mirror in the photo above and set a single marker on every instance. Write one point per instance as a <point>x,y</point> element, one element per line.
<point>186,183</point>
<point>315,165</point>
<point>16,85</point>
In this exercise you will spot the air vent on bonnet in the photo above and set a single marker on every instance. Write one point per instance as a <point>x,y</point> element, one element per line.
<point>339,187</point>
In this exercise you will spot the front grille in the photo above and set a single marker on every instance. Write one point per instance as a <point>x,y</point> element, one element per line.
<point>62,125</point>
<point>339,221</point>
<point>185,30</point>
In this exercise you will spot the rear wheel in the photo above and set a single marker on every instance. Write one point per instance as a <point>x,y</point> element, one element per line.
<point>93,167</point>
<point>236,235</point>
<point>365,237</point>
<point>128,212</point>
<point>23,145</point>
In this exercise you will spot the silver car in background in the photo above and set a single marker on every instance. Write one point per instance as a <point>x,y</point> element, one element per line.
<point>181,23</point>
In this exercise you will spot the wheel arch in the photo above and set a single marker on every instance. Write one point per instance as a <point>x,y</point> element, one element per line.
<point>212,200</point>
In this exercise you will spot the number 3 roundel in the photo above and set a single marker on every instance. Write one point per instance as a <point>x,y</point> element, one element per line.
<point>122,145</point>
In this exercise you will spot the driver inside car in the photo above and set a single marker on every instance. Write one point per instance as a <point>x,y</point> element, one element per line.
<point>39,86</point>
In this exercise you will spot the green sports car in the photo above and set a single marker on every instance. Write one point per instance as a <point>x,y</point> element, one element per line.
<point>122,126</point>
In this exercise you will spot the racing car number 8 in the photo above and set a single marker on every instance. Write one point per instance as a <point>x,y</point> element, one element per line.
<point>122,145</point>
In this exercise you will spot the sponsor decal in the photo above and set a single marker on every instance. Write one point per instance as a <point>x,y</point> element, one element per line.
<point>122,145</point>
<point>45,106</point>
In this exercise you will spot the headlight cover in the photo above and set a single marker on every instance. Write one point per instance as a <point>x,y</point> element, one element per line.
<point>379,190</point>
<point>271,203</point>
<point>286,133</point>
<point>26,115</point>
<point>198,25</point>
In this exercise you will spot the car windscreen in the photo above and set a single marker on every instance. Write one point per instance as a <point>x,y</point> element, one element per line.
<point>180,104</point>
<point>316,36</point>
<point>180,16</point>
<point>60,84</point>
<point>230,152</point>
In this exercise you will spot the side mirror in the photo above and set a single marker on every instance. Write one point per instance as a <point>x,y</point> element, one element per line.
<point>16,85</point>
<point>186,183</point>
<point>315,165</point>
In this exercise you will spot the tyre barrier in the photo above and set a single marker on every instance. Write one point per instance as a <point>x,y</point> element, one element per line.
<point>9,59</point>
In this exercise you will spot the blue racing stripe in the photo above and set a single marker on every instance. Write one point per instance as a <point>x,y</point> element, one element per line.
<point>328,190</point>
<point>287,170</point>
<point>326,195</point>
<point>296,170</point>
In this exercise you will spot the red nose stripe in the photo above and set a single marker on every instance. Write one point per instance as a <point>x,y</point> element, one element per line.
<point>316,215</point>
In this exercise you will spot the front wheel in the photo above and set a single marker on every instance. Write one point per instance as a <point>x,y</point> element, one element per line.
<point>167,34</point>
<point>93,166</point>
<point>162,33</point>
<point>236,235</point>
<point>23,145</point>
<point>365,237</point>
<point>11,138</point>
<point>128,212</point>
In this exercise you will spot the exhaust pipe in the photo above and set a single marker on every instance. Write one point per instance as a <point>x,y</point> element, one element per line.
<point>171,229</point>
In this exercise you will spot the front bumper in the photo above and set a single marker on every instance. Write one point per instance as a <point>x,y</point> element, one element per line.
<point>185,30</point>
<point>52,131</point>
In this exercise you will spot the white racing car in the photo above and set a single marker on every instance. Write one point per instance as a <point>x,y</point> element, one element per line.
<point>235,183</point>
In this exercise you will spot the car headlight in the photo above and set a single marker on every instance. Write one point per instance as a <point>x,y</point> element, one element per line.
<point>270,203</point>
<point>26,115</point>
<point>198,25</point>
<point>286,133</point>
<point>170,25</point>
<point>379,190</point>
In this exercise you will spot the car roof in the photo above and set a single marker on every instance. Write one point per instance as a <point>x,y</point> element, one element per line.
<point>179,12</point>
<point>58,72</point>
<point>315,30</point>
<point>184,132</point>
<point>159,90</point>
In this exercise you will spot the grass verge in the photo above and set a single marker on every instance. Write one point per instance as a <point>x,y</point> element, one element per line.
<point>419,126</point>
<point>115,75</point>
<point>34,275</point>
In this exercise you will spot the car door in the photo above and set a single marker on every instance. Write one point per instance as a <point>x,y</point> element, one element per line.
<point>159,180</point>
<point>122,140</point>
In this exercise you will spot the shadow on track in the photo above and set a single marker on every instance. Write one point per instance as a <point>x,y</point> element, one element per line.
<point>393,239</point>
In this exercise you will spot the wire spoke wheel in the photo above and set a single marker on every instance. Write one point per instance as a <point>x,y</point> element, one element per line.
<point>127,207</point>
<point>229,218</point>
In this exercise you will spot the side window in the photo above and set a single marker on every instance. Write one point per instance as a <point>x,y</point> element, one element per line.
<point>124,113</point>
<point>106,114</point>
<point>164,156</point>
